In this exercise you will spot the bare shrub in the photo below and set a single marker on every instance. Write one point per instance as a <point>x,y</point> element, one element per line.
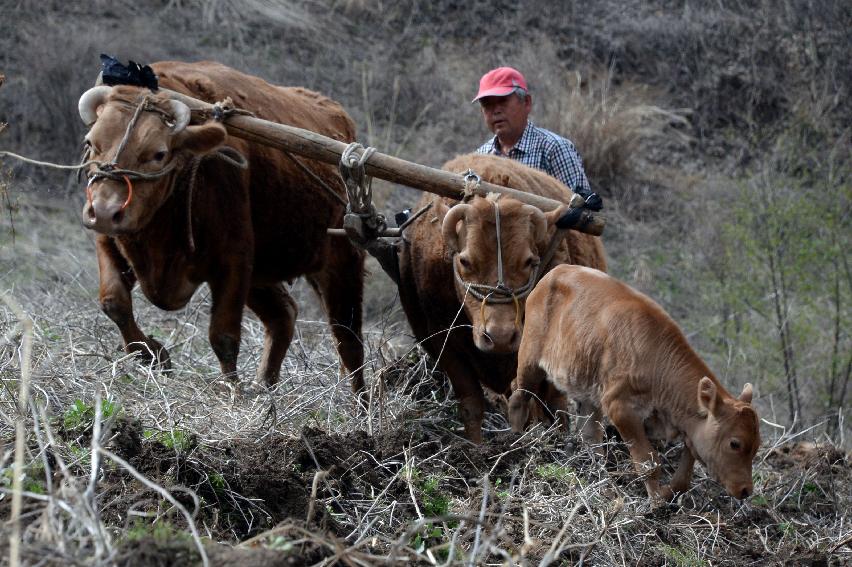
<point>615,127</point>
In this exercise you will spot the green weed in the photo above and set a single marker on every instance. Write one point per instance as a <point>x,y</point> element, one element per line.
<point>681,557</point>
<point>82,414</point>
<point>560,473</point>
<point>33,480</point>
<point>759,500</point>
<point>161,532</point>
<point>217,481</point>
<point>176,439</point>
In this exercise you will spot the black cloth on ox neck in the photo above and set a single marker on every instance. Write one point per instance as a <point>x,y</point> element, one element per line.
<point>113,72</point>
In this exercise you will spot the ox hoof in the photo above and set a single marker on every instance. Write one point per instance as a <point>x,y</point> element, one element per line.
<point>227,388</point>
<point>254,388</point>
<point>151,350</point>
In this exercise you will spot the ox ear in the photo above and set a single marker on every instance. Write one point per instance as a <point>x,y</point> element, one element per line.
<point>706,396</point>
<point>539,223</point>
<point>201,139</point>
<point>747,393</point>
<point>449,230</point>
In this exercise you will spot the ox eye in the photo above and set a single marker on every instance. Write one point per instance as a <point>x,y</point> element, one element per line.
<point>465,263</point>
<point>159,156</point>
<point>735,445</point>
<point>531,262</point>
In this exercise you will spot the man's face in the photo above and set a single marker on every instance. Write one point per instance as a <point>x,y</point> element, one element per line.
<point>506,116</point>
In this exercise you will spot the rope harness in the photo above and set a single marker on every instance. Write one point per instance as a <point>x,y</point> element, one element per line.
<point>110,169</point>
<point>500,293</point>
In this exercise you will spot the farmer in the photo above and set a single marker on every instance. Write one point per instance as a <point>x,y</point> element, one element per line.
<point>506,104</point>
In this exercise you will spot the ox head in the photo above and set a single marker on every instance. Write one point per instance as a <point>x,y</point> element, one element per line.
<point>727,438</point>
<point>470,236</point>
<point>159,142</point>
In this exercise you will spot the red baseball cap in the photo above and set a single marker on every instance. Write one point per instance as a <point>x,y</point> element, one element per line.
<point>500,82</point>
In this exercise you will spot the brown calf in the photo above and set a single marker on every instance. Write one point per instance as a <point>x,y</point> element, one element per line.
<point>614,349</point>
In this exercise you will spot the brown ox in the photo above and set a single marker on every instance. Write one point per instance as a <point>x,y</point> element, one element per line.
<point>602,342</point>
<point>465,236</point>
<point>242,231</point>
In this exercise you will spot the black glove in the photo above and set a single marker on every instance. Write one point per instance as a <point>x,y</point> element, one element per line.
<point>570,218</point>
<point>593,202</point>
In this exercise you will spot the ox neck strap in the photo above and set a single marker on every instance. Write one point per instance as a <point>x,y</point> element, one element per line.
<point>500,283</point>
<point>500,293</point>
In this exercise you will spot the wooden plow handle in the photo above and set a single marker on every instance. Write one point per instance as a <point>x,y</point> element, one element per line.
<point>328,150</point>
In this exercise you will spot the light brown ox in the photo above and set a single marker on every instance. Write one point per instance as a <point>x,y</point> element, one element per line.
<point>242,231</point>
<point>608,345</point>
<point>481,348</point>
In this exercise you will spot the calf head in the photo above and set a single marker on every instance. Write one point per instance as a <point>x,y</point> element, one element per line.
<point>493,285</point>
<point>160,142</point>
<point>727,438</point>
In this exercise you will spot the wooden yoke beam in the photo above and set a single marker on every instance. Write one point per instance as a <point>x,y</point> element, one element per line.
<point>328,150</point>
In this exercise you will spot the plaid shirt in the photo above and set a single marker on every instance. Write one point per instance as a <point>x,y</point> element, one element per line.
<point>549,152</point>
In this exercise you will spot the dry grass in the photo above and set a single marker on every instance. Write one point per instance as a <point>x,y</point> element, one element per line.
<point>395,483</point>
<point>615,127</point>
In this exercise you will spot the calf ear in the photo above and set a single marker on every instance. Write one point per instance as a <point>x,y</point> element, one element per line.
<point>201,139</point>
<point>706,396</point>
<point>449,230</point>
<point>747,393</point>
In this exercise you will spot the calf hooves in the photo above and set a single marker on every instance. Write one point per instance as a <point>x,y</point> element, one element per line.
<point>665,494</point>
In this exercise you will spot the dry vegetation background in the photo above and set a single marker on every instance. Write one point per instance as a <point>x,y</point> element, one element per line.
<point>719,134</point>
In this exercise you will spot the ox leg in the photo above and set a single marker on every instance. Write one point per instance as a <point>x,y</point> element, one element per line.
<point>229,296</point>
<point>683,475</point>
<point>471,406</point>
<point>277,311</point>
<point>340,286</point>
<point>116,281</point>
<point>632,430</point>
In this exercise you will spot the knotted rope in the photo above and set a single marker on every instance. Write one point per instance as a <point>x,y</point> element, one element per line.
<point>359,186</point>
<point>471,185</point>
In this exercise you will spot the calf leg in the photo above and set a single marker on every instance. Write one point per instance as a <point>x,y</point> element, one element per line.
<point>632,430</point>
<point>340,286</point>
<point>557,404</point>
<point>277,310</point>
<point>683,475</point>
<point>116,279</point>
<point>591,430</point>
<point>530,378</point>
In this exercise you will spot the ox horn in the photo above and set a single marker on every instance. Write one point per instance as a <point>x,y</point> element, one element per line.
<point>181,113</point>
<point>90,101</point>
<point>747,393</point>
<point>448,229</point>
